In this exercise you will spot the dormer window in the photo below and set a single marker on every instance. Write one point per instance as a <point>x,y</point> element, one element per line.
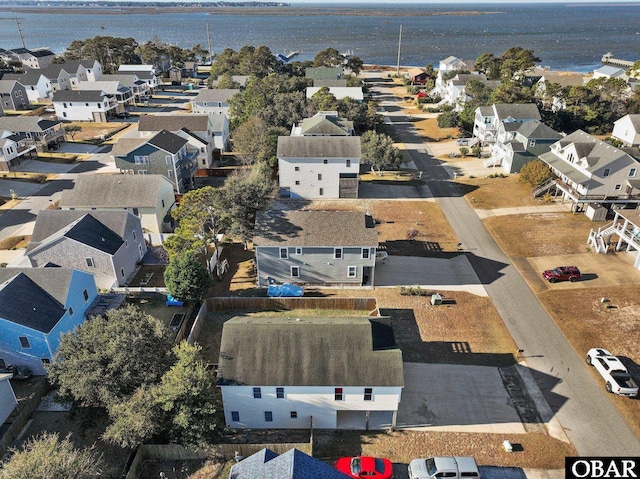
<point>571,158</point>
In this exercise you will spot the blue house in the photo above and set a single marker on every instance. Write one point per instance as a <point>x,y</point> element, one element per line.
<point>37,305</point>
<point>293,464</point>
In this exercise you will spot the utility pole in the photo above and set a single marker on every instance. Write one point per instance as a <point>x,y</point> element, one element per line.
<point>209,41</point>
<point>399,46</point>
<point>17,20</point>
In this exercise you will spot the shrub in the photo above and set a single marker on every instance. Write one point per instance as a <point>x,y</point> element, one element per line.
<point>447,119</point>
<point>464,151</point>
<point>535,172</point>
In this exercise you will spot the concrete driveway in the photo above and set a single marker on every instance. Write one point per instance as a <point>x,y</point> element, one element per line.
<point>449,274</point>
<point>78,148</point>
<point>36,166</point>
<point>20,188</point>
<point>451,397</point>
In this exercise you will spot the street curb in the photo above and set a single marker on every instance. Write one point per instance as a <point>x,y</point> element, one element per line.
<point>554,427</point>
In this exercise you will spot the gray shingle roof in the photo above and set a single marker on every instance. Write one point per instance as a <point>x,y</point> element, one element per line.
<point>326,126</point>
<point>124,146</point>
<point>319,147</point>
<point>20,124</point>
<point>92,96</point>
<point>517,111</point>
<point>29,77</point>
<point>173,122</point>
<point>327,73</point>
<point>113,191</point>
<point>34,297</point>
<point>292,464</point>
<point>538,130</point>
<point>329,83</point>
<point>125,79</point>
<point>219,95</point>
<point>56,223</point>
<point>314,228</point>
<point>329,351</point>
<point>6,86</point>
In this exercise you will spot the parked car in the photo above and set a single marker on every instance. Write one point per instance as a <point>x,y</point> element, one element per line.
<point>458,467</point>
<point>617,378</point>
<point>562,273</point>
<point>463,141</point>
<point>364,466</point>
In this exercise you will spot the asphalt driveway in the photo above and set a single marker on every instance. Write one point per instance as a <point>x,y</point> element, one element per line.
<point>451,397</point>
<point>449,274</point>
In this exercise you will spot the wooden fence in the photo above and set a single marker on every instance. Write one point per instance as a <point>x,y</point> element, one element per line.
<point>368,305</point>
<point>23,412</point>
<point>172,452</point>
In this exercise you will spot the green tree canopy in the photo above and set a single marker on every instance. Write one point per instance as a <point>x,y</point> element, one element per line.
<point>106,359</point>
<point>48,457</point>
<point>378,150</point>
<point>186,278</point>
<point>329,57</point>
<point>258,62</point>
<point>200,222</point>
<point>111,52</point>
<point>187,396</point>
<point>243,195</point>
<point>252,141</point>
<point>354,64</point>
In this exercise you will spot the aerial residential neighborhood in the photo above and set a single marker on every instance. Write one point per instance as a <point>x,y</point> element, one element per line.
<point>262,267</point>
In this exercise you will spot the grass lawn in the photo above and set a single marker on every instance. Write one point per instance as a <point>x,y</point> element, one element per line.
<point>490,193</point>
<point>538,451</point>
<point>158,309</point>
<point>541,234</point>
<point>93,130</point>
<point>588,323</point>
<point>429,129</point>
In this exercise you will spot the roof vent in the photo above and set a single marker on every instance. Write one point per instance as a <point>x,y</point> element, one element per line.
<point>298,320</point>
<point>103,239</point>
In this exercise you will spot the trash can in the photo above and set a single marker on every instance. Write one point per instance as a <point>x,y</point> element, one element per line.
<point>436,299</point>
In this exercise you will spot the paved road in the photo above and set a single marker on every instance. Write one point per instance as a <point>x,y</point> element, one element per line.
<point>579,402</point>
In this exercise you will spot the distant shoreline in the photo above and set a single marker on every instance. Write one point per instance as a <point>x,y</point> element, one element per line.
<point>283,11</point>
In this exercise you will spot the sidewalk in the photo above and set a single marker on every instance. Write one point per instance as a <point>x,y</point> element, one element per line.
<point>520,210</point>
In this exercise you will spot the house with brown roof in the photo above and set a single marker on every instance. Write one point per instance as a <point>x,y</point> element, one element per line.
<point>149,197</point>
<point>320,372</point>
<point>315,247</point>
<point>209,134</point>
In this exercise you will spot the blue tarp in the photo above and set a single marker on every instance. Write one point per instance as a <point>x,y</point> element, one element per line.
<point>171,301</point>
<point>283,290</point>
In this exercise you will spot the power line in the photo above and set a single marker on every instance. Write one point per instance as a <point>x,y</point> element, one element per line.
<point>17,20</point>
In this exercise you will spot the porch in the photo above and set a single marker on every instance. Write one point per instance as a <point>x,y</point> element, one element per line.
<point>625,228</point>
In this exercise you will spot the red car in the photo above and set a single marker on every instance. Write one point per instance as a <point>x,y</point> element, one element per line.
<point>364,466</point>
<point>562,273</point>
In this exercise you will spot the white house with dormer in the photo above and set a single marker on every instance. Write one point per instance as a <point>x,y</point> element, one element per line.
<point>294,373</point>
<point>449,64</point>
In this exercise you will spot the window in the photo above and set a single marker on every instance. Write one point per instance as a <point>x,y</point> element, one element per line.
<point>169,160</point>
<point>122,272</point>
<point>24,342</point>
<point>170,173</point>
<point>348,163</point>
<point>365,253</point>
<point>298,251</point>
<point>85,294</point>
<point>257,393</point>
<point>126,243</point>
<point>134,233</point>
<point>321,191</point>
<point>45,361</point>
<point>319,176</point>
<point>618,187</point>
<point>280,393</point>
<point>297,182</point>
<point>284,253</point>
<point>532,143</point>
<point>64,114</point>
<point>337,394</point>
<point>606,172</point>
<point>163,203</point>
<point>326,162</point>
<point>70,311</point>
<point>296,168</point>
<point>90,262</point>
<point>571,158</point>
<point>295,271</point>
<point>143,172</point>
<point>235,416</point>
<point>136,212</point>
<point>337,253</point>
<point>294,414</point>
<point>632,172</point>
<point>64,105</point>
<point>141,160</point>
<point>268,416</point>
<point>352,271</point>
<point>368,394</point>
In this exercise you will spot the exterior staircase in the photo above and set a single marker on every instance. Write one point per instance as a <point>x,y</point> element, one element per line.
<point>544,187</point>
<point>492,161</point>
<point>598,239</point>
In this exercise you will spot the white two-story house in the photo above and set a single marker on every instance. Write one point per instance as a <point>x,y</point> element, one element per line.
<point>627,130</point>
<point>295,373</point>
<point>318,167</point>
<point>449,64</point>
<point>488,118</point>
<point>590,171</point>
<point>92,105</point>
<point>213,102</point>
